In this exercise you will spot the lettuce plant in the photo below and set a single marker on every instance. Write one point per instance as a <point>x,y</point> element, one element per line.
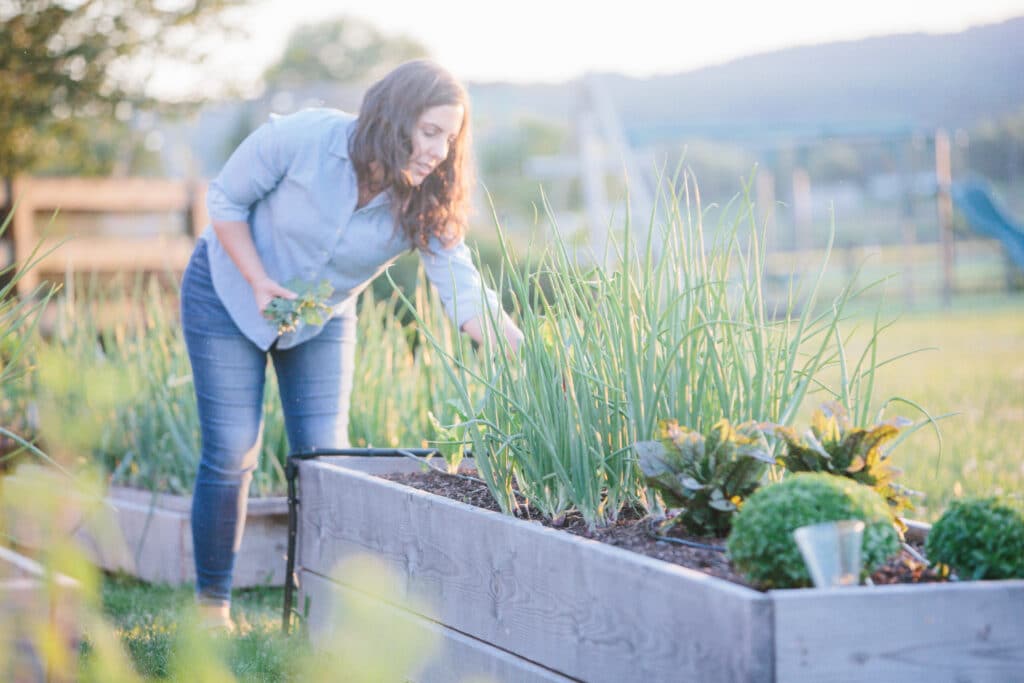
<point>709,476</point>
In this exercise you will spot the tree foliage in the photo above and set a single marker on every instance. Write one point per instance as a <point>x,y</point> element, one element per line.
<point>72,69</point>
<point>345,50</point>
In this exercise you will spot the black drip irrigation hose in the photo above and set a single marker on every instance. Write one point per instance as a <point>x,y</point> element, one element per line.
<point>291,472</point>
<point>689,544</point>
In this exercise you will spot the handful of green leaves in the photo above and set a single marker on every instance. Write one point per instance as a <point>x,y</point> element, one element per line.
<point>309,307</point>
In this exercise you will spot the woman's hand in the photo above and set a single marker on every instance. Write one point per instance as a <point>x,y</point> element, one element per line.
<point>512,333</point>
<point>236,238</point>
<point>479,329</point>
<point>265,289</point>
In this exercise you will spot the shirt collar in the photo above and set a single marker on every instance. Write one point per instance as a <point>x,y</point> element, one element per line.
<point>338,144</point>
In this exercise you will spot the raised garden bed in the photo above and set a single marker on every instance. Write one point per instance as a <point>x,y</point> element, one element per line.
<point>25,604</point>
<point>158,539</point>
<point>520,602</point>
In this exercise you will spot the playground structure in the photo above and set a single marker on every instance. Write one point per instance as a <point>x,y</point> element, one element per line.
<point>985,213</point>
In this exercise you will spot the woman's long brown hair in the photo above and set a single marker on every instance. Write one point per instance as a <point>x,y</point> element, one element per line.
<point>381,147</point>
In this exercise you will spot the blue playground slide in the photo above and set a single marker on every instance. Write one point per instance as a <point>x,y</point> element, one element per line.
<point>986,215</point>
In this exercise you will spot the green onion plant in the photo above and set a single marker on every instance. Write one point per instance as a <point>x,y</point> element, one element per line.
<point>676,327</point>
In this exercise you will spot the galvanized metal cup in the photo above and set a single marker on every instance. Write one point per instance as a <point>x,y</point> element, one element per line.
<point>832,552</point>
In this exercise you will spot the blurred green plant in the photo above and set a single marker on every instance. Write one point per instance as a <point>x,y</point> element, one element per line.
<point>147,436</point>
<point>400,381</point>
<point>980,538</point>
<point>55,627</point>
<point>709,477</point>
<point>43,508</point>
<point>761,544</point>
<point>122,393</point>
<point>19,323</point>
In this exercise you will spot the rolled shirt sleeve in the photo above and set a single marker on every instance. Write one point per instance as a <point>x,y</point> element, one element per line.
<point>458,282</point>
<point>253,170</point>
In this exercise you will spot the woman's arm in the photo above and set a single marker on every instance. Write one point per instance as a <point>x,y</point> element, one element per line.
<point>473,307</point>
<point>251,172</point>
<point>236,238</point>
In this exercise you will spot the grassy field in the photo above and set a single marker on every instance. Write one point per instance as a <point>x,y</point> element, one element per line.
<point>975,368</point>
<point>368,645</point>
<point>147,620</point>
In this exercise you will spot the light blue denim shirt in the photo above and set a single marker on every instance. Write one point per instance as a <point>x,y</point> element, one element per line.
<point>292,181</point>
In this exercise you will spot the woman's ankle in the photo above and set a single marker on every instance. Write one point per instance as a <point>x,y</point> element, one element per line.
<point>216,617</point>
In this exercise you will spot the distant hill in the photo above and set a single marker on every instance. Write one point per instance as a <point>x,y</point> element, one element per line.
<point>909,80</point>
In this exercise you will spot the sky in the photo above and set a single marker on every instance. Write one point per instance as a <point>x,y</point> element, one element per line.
<point>557,40</point>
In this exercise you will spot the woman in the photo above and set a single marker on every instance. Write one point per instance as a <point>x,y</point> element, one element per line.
<point>316,195</point>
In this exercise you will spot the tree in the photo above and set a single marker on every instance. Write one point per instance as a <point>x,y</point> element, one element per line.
<point>72,69</point>
<point>345,50</point>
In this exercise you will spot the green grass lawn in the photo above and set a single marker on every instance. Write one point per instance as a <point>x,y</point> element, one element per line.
<point>975,368</point>
<point>147,619</point>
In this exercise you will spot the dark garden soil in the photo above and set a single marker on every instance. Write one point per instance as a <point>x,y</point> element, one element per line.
<point>633,532</point>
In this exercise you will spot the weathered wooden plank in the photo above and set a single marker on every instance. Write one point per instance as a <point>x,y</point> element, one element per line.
<point>155,543</point>
<point>177,503</point>
<point>578,607</point>
<point>117,195</point>
<point>113,254</point>
<point>105,194</point>
<point>968,632</point>
<point>23,233</point>
<point>458,657</point>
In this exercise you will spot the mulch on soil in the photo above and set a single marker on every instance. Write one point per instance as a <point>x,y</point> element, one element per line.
<point>634,532</point>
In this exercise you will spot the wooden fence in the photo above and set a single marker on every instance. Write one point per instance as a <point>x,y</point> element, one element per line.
<point>34,198</point>
<point>979,265</point>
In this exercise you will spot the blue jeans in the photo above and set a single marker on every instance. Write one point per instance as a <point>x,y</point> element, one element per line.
<point>228,370</point>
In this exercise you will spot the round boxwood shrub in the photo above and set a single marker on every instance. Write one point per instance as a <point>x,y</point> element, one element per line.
<point>980,538</point>
<point>761,544</point>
